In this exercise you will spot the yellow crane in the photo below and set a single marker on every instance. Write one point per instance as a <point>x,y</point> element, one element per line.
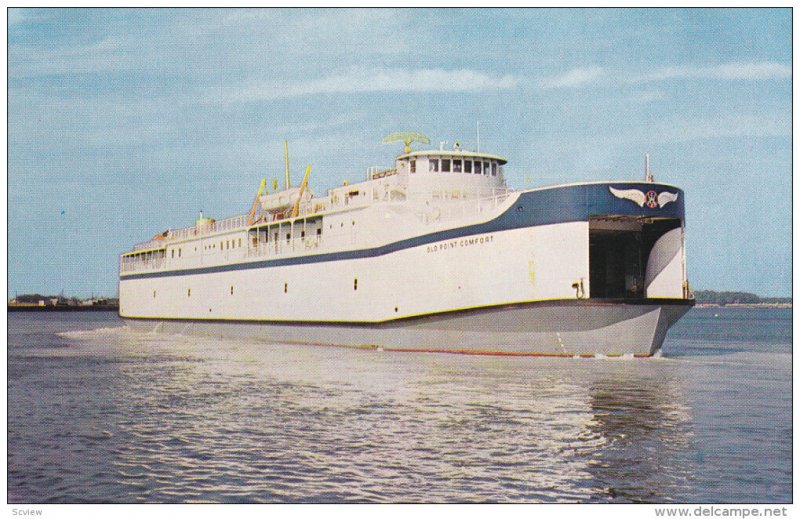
<point>296,208</point>
<point>255,202</point>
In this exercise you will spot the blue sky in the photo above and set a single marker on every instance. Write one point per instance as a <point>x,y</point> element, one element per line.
<point>123,123</point>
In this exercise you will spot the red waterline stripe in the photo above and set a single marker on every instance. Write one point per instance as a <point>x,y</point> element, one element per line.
<point>508,353</point>
<point>490,353</point>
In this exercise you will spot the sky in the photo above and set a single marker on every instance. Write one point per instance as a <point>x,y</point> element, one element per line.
<point>123,123</point>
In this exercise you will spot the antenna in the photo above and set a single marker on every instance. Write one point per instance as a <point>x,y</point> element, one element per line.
<point>407,138</point>
<point>648,177</point>
<point>286,162</point>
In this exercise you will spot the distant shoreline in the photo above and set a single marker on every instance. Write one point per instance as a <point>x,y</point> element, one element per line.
<point>62,308</point>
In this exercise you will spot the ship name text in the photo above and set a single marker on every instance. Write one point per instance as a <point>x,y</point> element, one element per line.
<point>463,242</point>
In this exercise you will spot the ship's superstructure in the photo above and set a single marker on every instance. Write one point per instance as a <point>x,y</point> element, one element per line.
<point>434,254</point>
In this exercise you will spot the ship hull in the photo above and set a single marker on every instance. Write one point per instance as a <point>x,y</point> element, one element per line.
<point>564,328</point>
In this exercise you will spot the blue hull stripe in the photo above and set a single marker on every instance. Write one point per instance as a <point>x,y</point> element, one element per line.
<point>566,204</point>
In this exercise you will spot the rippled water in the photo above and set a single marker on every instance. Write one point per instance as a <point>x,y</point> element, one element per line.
<point>97,413</point>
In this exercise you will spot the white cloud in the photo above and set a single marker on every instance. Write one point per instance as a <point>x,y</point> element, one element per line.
<point>743,71</point>
<point>361,80</point>
<point>16,15</point>
<point>751,71</point>
<point>647,97</point>
<point>727,126</point>
<point>576,77</point>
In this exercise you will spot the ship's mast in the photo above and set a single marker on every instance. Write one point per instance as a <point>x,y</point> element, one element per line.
<point>286,162</point>
<point>648,177</point>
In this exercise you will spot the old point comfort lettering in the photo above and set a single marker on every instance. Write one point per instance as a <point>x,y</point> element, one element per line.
<point>463,242</point>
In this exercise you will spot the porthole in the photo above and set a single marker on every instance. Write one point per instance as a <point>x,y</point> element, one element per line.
<point>285,288</point>
<point>231,289</point>
<point>355,283</point>
<point>189,292</point>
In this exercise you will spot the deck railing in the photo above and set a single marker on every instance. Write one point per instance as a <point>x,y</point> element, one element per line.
<point>458,206</point>
<point>228,224</point>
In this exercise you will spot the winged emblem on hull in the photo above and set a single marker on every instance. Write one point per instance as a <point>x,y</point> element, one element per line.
<point>650,199</point>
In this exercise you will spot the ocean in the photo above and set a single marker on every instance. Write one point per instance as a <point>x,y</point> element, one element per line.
<point>100,414</point>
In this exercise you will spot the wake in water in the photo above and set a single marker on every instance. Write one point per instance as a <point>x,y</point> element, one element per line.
<point>97,332</point>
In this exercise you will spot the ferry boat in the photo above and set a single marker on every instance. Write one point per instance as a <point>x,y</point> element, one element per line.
<point>433,254</point>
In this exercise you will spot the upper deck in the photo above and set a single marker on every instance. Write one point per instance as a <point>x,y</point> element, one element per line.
<point>427,176</point>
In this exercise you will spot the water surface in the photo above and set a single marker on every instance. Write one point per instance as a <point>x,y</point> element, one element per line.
<point>98,413</point>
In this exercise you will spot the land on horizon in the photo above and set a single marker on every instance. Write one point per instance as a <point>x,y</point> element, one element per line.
<point>702,298</point>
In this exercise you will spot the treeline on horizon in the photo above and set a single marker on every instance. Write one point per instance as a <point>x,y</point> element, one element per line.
<point>733,298</point>
<point>35,298</point>
<point>701,297</point>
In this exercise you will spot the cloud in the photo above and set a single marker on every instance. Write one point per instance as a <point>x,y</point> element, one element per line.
<point>646,97</point>
<point>727,126</point>
<point>363,80</point>
<point>16,15</point>
<point>734,71</point>
<point>576,77</point>
<point>748,71</point>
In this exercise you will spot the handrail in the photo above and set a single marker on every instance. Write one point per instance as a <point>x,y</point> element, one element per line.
<point>312,206</point>
<point>227,224</point>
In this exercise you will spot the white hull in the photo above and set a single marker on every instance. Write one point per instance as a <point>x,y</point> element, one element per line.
<point>578,269</point>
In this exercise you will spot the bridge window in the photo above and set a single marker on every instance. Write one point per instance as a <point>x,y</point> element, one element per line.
<point>467,166</point>
<point>494,169</point>
<point>456,165</point>
<point>445,165</point>
<point>433,165</point>
<point>478,167</point>
<point>413,166</point>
